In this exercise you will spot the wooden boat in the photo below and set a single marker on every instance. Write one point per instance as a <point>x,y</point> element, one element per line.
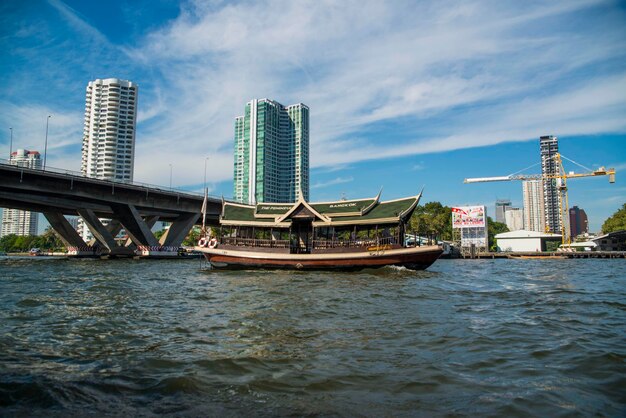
<point>532,257</point>
<point>342,235</point>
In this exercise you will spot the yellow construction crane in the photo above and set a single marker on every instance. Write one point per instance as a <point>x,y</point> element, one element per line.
<point>561,177</point>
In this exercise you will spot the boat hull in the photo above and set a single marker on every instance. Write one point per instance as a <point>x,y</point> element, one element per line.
<point>418,258</point>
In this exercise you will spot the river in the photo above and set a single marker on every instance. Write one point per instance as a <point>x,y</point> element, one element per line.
<point>464,338</point>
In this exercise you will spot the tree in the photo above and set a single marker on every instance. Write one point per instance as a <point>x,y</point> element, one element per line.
<point>616,222</point>
<point>494,228</point>
<point>192,238</point>
<point>432,219</point>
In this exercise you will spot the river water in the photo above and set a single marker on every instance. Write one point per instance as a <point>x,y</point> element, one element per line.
<point>465,338</point>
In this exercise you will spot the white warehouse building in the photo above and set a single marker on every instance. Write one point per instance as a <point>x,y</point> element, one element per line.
<point>525,241</point>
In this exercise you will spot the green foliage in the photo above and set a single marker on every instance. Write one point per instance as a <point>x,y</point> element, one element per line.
<point>494,228</point>
<point>552,246</point>
<point>48,241</point>
<point>192,237</point>
<point>616,222</point>
<point>432,219</point>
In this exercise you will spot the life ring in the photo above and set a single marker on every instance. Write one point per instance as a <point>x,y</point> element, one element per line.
<point>213,243</point>
<point>202,242</point>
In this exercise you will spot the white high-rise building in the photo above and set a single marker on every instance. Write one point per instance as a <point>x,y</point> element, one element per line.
<point>534,212</point>
<point>108,150</point>
<point>109,130</point>
<point>20,222</point>
<point>514,219</point>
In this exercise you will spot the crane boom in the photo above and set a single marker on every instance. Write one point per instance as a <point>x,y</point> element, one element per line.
<point>561,179</point>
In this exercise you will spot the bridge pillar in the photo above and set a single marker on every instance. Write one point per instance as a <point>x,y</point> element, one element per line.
<point>150,221</point>
<point>76,247</point>
<point>136,228</point>
<point>179,229</point>
<point>114,227</point>
<point>103,234</point>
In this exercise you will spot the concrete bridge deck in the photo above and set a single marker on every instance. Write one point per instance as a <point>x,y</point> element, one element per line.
<point>131,206</point>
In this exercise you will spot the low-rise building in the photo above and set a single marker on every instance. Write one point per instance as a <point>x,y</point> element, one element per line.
<point>525,241</point>
<point>613,241</point>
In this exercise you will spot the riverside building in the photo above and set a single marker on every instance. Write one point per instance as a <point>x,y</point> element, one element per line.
<point>20,222</point>
<point>108,150</point>
<point>271,153</point>
<point>549,146</point>
<point>502,205</point>
<point>534,213</point>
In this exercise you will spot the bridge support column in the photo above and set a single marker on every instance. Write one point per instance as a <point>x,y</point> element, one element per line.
<point>139,231</point>
<point>114,227</point>
<point>103,234</point>
<point>76,247</point>
<point>135,226</point>
<point>150,221</point>
<point>179,230</point>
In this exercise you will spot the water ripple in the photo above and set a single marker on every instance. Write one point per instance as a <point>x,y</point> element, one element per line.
<point>465,338</point>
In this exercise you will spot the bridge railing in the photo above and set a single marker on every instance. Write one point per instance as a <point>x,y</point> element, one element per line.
<point>56,170</point>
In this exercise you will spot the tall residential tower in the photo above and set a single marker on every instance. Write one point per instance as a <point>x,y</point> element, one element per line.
<point>20,222</point>
<point>108,151</point>
<point>549,146</point>
<point>271,153</point>
<point>109,130</point>
<point>534,213</point>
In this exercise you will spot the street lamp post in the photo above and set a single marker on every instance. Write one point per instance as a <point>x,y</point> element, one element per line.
<point>45,149</point>
<point>205,164</point>
<point>170,176</point>
<point>11,145</point>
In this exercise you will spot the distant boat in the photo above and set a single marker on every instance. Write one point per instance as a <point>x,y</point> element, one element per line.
<point>35,252</point>
<point>341,235</point>
<point>547,257</point>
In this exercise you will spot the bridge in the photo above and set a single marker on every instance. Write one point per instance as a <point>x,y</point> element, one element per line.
<point>132,206</point>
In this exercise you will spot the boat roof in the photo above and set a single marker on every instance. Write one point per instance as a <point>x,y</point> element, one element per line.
<point>340,213</point>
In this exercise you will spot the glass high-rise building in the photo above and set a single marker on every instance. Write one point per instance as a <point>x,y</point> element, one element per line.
<point>549,146</point>
<point>502,205</point>
<point>15,221</point>
<point>271,153</point>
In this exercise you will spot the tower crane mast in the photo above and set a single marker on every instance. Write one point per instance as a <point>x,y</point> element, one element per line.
<point>561,177</point>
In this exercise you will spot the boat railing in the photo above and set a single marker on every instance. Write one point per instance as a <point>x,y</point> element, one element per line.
<point>253,242</point>
<point>322,244</point>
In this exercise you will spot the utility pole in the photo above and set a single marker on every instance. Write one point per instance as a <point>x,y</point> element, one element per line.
<point>45,149</point>
<point>11,146</point>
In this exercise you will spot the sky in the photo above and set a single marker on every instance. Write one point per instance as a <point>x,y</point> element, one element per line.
<point>402,94</point>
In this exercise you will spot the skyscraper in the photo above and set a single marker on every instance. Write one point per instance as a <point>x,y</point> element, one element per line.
<point>109,131</point>
<point>534,213</point>
<point>16,221</point>
<point>108,150</point>
<point>514,219</point>
<point>578,222</point>
<point>549,146</point>
<point>502,206</point>
<point>271,153</point>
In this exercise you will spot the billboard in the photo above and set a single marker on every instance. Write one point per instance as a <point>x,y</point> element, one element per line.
<point>469,217</point>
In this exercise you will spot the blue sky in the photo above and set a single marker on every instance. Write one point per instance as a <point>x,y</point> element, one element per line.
<point>402,94</point>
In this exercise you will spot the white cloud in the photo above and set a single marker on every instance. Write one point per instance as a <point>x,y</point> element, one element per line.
<point>338,180</point>
<point>382,79</point>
